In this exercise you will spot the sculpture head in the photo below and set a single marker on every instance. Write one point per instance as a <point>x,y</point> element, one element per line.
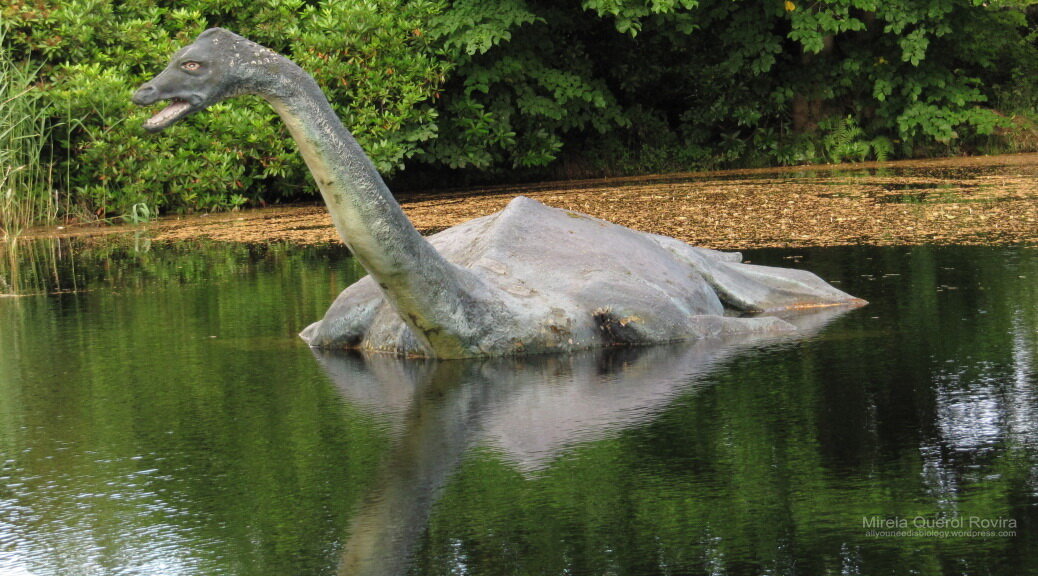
<point>217,65</point>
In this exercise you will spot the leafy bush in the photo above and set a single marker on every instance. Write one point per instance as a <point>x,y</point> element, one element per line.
<point>751,82</point>
<point>371,56</point>
<point>528,88</point>
<point>524,81</point>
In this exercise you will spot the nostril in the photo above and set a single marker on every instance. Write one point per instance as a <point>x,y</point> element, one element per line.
<point>145,95</point>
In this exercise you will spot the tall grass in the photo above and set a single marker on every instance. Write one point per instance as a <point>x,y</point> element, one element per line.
<point>26,194</point>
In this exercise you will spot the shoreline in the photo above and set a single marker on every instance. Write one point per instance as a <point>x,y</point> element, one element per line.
<point>972,200</point>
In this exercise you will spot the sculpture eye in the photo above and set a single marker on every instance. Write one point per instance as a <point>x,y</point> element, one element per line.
<point>191,66</point>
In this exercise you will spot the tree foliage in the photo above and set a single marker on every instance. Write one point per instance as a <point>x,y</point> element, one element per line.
<point>520,88</point>
<point>517,91</point>
<point>371,57</point>
<point>728,81</point>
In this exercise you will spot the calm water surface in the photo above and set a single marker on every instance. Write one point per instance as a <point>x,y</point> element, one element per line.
<point>158,416</point>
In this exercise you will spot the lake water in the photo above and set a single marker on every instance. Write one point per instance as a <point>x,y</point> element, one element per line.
<point>158,416</point>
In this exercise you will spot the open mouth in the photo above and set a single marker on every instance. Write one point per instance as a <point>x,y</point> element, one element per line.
<point>177,109</point>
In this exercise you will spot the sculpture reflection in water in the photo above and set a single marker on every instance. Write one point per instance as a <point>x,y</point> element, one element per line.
<point>530,409</point>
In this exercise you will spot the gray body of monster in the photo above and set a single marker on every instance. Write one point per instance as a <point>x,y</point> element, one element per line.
<point>527,280</point>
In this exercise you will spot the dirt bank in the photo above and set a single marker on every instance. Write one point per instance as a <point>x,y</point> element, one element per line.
<point>989,200</point>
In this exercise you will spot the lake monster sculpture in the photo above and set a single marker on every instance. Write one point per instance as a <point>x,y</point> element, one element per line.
<point>527,280</point>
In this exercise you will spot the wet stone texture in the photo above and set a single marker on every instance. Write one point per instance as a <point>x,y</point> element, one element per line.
<point>979,200</point>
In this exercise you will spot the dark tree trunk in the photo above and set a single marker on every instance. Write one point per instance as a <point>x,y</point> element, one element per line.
<point>808,105</point>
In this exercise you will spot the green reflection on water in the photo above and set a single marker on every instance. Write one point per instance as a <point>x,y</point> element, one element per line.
<point>158,416</point>
<point>924,404</point>
<point>165,420</point>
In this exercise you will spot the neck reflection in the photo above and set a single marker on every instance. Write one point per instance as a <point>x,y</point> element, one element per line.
<point>529,409</point>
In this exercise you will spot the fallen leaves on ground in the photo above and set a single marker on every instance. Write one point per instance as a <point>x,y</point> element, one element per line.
<point>989,200</point>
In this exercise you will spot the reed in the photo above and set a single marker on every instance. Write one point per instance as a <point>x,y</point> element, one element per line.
<point>27,197</point>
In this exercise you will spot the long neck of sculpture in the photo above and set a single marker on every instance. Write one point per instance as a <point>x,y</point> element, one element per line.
<point>427,291</point>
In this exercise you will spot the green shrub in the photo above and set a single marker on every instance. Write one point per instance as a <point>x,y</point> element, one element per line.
<point>518,89</point>
<point>524,82</point>
<point>749,81</point>
<point>371,56</point>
